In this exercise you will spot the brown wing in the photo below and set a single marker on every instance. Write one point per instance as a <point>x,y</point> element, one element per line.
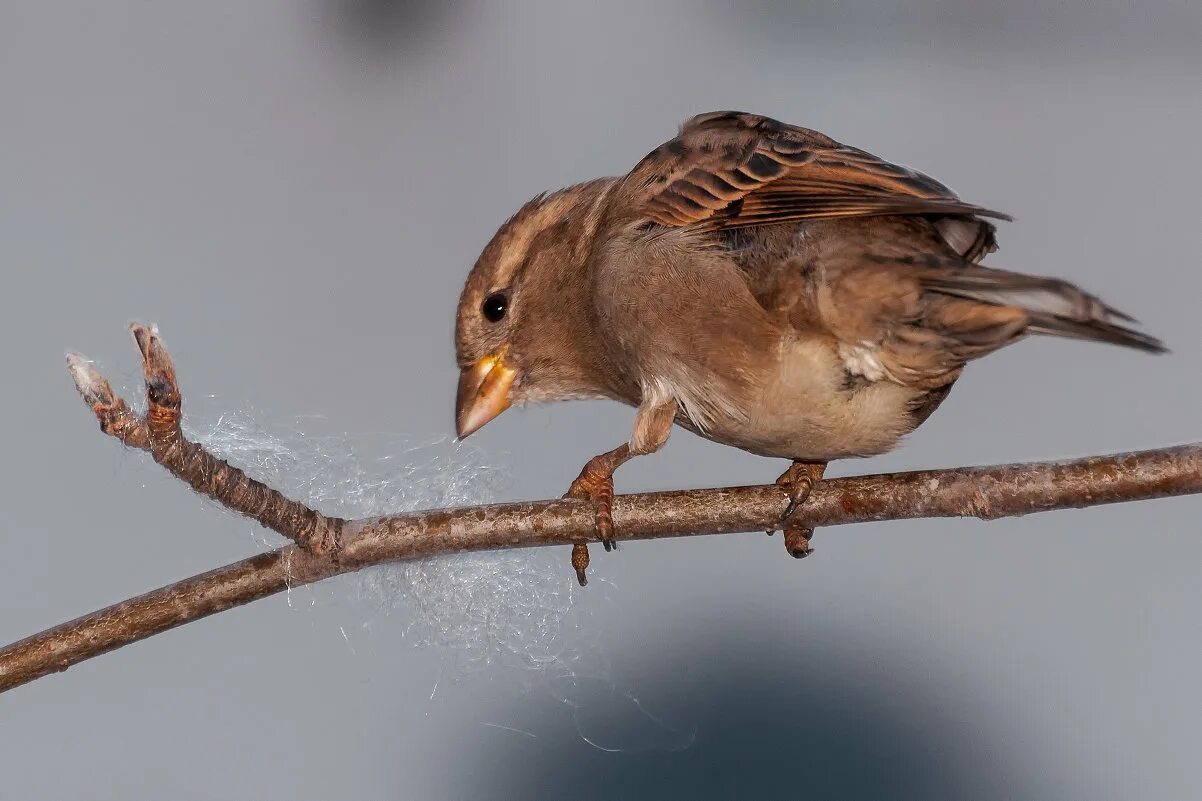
<point>728,169</point>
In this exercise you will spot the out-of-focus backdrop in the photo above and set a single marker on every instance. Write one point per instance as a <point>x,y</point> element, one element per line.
<point>294,191</point>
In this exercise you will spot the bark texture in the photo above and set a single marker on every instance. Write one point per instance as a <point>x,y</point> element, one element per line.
<point>330,546</point>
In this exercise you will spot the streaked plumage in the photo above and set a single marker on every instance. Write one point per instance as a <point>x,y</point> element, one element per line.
<point>760,284</point>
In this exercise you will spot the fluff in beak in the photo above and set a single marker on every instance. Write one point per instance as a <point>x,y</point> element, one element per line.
<point>483,392</point>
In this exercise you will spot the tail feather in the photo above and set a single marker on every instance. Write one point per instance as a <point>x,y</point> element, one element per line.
<point>1054,307</point>
<point>1096,331</point>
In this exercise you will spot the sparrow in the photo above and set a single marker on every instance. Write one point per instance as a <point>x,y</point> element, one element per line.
<point>759,284</point>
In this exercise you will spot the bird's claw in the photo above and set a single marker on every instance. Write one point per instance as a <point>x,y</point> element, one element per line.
<point>797,499</point>
<point>580,562</point>
<point>798,482</point>
<point>797,540</point>
<point>598,489</point>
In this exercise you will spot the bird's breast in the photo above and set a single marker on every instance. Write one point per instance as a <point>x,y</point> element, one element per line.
<point>807,405</point>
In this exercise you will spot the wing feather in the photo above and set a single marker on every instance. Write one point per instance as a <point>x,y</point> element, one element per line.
<point>728,169</point>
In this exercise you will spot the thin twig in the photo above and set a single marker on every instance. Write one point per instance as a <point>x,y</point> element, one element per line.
<point>335,546</point>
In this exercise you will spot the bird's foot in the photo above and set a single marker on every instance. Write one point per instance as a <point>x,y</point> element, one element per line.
<point>797,540</point>
<point>596,485</point>
<point>598,488</point>
<point>797,482</point>
<point>580,562</point>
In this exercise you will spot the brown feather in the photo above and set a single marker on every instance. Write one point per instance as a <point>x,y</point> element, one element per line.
<point>769,287</point>
<point>733,170</point>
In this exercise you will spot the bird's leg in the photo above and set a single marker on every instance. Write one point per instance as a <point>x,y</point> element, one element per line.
<point>797,482</point>
<point>595,483</point>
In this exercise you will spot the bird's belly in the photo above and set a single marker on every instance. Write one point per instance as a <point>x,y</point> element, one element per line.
<point>808,410</point>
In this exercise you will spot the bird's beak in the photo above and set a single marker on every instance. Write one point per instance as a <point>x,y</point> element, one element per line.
<point>483,392</point>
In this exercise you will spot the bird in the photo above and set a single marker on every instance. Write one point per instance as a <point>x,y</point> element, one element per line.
<point>761,285</point>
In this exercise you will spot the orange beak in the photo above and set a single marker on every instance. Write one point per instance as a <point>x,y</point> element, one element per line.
<point>483,392</point>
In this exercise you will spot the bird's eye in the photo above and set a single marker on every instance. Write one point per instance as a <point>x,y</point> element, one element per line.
<point>495,306</point>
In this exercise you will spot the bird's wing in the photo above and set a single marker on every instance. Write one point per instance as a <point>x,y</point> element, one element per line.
<point>727,169</point>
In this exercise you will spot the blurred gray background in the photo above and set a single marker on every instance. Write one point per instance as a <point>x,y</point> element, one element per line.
<point>295,191</point>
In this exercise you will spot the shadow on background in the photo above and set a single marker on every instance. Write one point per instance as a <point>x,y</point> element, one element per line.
<point>385,27</point>
<point>754,716</point>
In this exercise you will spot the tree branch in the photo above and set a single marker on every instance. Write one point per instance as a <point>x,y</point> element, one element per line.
<point>331,546</point>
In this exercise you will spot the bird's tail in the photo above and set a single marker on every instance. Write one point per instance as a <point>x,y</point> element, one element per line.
<point>1054,307</point>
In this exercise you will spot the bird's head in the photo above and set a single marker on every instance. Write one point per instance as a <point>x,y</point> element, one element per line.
<point>522,324</point>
